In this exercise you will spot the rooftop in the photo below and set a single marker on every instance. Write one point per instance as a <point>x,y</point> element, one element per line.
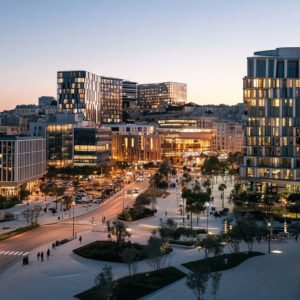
<point>286,52</point>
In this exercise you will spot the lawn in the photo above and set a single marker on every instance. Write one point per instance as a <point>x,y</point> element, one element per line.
<point>109,251</point>
<point>138,286</point>
<point>7,235</point>
<point>217,263</point>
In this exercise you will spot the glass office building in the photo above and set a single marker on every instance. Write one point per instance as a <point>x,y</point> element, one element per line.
<point>99,98</point>
<point>22,162</point>
<point>129,94</point>
<point>92,146</point>
<point>161,95</point>
<point>272,136</point>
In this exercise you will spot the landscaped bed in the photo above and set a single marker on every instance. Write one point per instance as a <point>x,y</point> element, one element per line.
<point>109,251</point>
<point>139,285</point>
<point>18,231</point>
<point>134,214</point>
<point>218,263</point>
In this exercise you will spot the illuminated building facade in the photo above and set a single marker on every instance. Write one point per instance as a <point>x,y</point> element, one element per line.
<point>99,98</point>
<point>272,97</point>
<point>135,143</point>
<point>184,142</point>
<point>22,161</point>
<point>92,146</point>
<point>229,136</point>
<point>160,95</point>
<point>60,142</point>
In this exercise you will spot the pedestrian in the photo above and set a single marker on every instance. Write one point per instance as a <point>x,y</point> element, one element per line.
<point>80,239</point>
<point>296,237</point>
<point>48,253</point>
<point>38,255</point>
<point>166,214</point>
<point>42,256</point>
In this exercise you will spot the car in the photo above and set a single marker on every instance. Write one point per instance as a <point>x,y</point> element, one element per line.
<point>129,192</point>
<point>137,191</point>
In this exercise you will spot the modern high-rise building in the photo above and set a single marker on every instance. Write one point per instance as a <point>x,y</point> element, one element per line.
<point>129,94</point>
<point>99,98</point>
<point>160,95</point>
<point>272,136</point>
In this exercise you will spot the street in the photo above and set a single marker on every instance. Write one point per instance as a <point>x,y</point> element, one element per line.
<point>13,249</point>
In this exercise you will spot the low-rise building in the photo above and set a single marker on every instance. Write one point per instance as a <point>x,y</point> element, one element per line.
<point>184,142</point>
<point>22,162</point>
<point>135,143</point>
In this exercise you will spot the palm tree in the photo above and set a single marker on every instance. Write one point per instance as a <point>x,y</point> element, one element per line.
<point>67,200</point>
<point>221,188</point>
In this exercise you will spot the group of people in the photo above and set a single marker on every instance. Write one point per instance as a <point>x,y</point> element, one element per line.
<point>40,255</point>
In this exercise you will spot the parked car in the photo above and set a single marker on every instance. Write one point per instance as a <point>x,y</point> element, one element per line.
<point>137,191</point>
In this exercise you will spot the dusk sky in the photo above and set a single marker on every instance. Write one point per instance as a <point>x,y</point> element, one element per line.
<point>201,43</point>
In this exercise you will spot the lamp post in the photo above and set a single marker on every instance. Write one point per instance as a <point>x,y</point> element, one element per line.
<point>269,228</point>
<point>123,191</point>
<point>73,206</point>
<point>207,209</point>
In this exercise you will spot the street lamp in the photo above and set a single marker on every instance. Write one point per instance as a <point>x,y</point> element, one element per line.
<point>207,210</point>
<point>269,228</point>
<point>73,206</point>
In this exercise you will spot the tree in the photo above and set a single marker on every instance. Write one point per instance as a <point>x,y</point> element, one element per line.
<point>294,200</point>
<point>212,244</point>
<point>31,215</point>
<point>155,251</point>
<point>75,183</point>
<point>268,200</point>
<point>142,199</point>
<point>295,208</point>
<point>194,202</point>
<point>246,229</point>
<point>222,188</point>
<point>165,168</point>
<point>211,165</point>
<point>167,230</point>
<point>45,189</point>
<point>67,200</point>
<point>206,184</point>
<point>120,231</point>
<point>104,283</point>
<point>24,193</point>
<point>129,256</point>
<point>197,281</point>
<point>215,283</point>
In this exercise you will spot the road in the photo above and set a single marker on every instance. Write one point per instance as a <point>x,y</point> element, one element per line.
<point>13,249</point>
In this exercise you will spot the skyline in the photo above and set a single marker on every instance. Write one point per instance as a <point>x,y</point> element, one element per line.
<point>202,44</point>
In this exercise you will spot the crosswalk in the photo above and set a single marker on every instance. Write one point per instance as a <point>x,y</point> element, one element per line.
<point>10,252</point>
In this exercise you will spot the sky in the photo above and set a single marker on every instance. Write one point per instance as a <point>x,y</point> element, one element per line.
<point>199,42</point>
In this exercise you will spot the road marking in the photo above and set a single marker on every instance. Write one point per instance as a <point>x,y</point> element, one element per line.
<point>10,252</point>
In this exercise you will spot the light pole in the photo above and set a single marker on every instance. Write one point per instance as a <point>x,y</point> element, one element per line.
<point>73,206</point>
<point>207,210</point>
<point>123,192</point>
<point>269,228</point>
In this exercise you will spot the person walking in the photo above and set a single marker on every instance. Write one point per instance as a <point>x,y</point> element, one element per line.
<point>38,255</point>
<point>42,256</point>
<point>80,239</point>
<point>48,253</point>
